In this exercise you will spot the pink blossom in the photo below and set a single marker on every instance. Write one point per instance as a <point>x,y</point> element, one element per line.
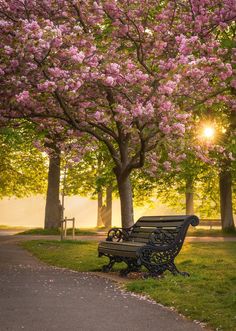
<point>227,72</point>
<point>57,42</point>
<point>76,159</point>
<point>79,57</point>
<point>8,50</point>
<point>140,75</point>
<point>167,165</point>
<point>123,30</point>
<point>110,81</point>
<point>57,72</point>
<point>31,26</point>
<point>164,119</point>
<point>233,83</point>
<point>47,86</point>
<point>23,97</point>
<point>114,68</point>
<point>179,127</point>
<point>14,63</point>
<point>166,106</point>
<point>97,115</point>
<point>165,128</point>
<point>78,84</point>
<point>168,88</point>
<point>138,110</point>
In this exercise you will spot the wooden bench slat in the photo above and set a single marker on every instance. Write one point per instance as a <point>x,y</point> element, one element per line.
<point>127,248</point>
<point>140,235</point>
<point>112,252</point>
<point>143,229</point>
<point>121,245</point>
<point>158,224</point>
<point>142,240</point>
<point>147,234</point>
<point>163,218</point>
<point>149,230</point>
<point>209,223</point>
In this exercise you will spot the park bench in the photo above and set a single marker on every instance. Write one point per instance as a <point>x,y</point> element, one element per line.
<point>211,222</point>
<point>152,242</point>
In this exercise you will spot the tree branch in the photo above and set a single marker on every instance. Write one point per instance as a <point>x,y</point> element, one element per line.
<point>105,129</point>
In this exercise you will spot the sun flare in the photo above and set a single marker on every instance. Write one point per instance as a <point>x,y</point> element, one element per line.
<point>209,132</point>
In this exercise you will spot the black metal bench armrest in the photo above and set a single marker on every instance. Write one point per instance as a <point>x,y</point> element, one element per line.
<point>117,234</point>
<point>160,237</point>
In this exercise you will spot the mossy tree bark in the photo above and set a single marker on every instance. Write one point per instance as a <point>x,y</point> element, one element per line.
<point>126,200</point>
<point>52,209</point>
<point>99,210</point>
<point>108,210</point>
<point>226,208</point>
<point>189,197</point>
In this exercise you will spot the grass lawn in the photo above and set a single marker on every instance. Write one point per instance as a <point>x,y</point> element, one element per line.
<point>208,295</point>
<point>76,255</point>
<point>49,232</point>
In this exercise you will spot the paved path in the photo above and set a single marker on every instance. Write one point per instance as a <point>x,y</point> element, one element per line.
<point>36,297</point>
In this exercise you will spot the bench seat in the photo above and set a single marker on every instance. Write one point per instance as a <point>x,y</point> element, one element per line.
<point>152,242</point>
<point>125,248</point>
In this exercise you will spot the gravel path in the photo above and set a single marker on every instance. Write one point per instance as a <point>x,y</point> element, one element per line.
<point>36,297</point>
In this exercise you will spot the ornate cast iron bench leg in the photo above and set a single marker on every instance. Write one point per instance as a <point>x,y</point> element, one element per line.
<point>108,267</point>
<point>132,266</point>
<point>152,260</point>
<point>157,261</point>
<point>173,269</point>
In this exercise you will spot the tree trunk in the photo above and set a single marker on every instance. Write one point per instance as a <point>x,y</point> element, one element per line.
<point>52,210</point>
<point>99,211</point>
<point>189,197</point>
<point>225,177</point>
<point>108,212</point>
<point>226,210</point>
<point>126,200</point>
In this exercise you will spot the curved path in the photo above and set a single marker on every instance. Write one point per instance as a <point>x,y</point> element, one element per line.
<point>37,297</point>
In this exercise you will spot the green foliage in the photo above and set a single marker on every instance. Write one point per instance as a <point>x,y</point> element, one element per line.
<point>23,168</point>
<point>90,175</point>
<point>171,191</point>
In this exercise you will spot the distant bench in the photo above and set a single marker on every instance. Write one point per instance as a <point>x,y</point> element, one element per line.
<point>210,222</point>
<point>152,242</point>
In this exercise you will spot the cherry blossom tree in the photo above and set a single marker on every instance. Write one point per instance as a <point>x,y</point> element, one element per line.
<point>127,73</point>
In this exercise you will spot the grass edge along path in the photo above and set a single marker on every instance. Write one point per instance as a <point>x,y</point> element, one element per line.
<point>55,232</point>
<point>208,295</point>
<point>12,228</point>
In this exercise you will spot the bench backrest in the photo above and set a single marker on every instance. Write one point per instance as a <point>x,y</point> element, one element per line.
<point>210,222</point>
<point>164,230</point>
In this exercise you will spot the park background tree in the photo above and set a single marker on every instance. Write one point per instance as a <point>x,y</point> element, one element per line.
<point>227,161</point>
<point>23,167</point>
<point>92,177</point>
